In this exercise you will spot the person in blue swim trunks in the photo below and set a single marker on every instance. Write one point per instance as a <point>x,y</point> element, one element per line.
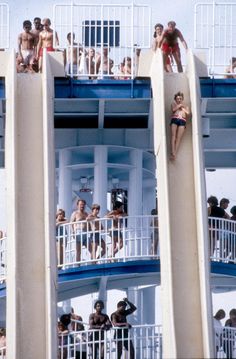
<point>180,114</point>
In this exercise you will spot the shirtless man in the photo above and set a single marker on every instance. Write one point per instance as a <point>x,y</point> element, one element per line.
<point>106,62</point>
<point>38,27</point>
<point>26,47</point>
<point>98,320</point>
<point>169,44</point>
<point>180,114</point>
<point>80,229</point>
<point>75,56</point>
<point>90,60</point>
<point>155,44</point>
<point>45,41</point>
<point>96,228</point>
<point>117,224</point>
<point>118,319</point>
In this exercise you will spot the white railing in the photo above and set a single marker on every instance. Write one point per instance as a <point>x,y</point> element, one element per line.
<point>106,240</point>
<point>121,29</point>
<point>131,238</point>
<point>4,26</point>
<point>3,353</point>
<point>222,236</point>
<point>3,259</point>
<point>225,342</point>
<point>215,32</point>
<point>146,340</point>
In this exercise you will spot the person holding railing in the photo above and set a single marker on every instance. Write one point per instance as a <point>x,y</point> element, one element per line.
<point>71,55</point>
<point>104,63</point>
<point>122,335</point>
<point>96,239</point>
<point>117,215</point>
<point>100,322</point>
<point>80,228</point>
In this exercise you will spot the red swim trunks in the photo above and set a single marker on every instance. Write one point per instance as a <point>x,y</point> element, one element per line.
<point>48,49</point>
<point>167,49</point>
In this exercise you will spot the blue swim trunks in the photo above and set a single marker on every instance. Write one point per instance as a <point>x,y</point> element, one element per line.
<point>177,121</point>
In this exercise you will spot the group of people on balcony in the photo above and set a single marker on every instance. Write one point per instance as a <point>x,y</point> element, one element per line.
<point>93,340</point>
<point>87,229</point>
<point>216,210</point>
<point>86,61</point>
<point>77,58</point>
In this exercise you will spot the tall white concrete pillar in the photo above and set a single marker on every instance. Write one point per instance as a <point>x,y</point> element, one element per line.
<point>31,247</point>
<point>65,182</point>
<point>135,192</point>
<point>100,178</point>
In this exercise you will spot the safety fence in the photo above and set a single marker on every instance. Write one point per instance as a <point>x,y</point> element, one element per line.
<point>136,342</point>
<point>4,26</point>
<point>102,41</point>
<point>215,33</point>
<point>107,240</point>
<point>222,236</point>
<point>225,342</point>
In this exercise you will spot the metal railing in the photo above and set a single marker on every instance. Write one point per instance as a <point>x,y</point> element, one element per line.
<point>3,353</point>
<point>141,341</point>
<point>225,342</point>
<point>222,237</point>
<point>106,240</point>
<point>103,36</point>
<point>130,238</point>
<point>215,32</point>
<point>4,26</point>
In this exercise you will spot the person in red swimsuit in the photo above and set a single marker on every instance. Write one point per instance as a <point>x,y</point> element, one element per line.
<point>45,41</point>
<point>169,44</point>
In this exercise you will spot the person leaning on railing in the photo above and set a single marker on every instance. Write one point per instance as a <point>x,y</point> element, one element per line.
<point>217,212</point>
<point>100,322</point>
<point>117,223</point>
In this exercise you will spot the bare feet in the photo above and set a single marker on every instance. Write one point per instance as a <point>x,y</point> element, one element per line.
<point>172,157</point>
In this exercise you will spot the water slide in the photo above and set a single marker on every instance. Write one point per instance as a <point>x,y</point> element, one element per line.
<point>185,277</point>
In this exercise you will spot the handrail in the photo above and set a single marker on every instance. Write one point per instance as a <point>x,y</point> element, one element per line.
<point>225,342</point>
<point>222,239</point>
<point>145,339</point>
<point>107,240</point>
<point>134,238</point>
